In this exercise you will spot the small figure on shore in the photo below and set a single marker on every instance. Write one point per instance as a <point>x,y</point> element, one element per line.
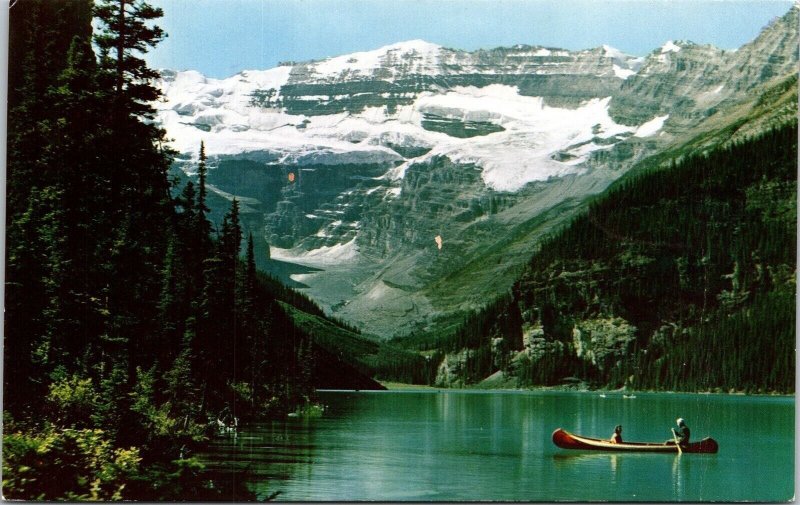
<point>227,422</point>
<point>616,438</point>
<point>681,434</point>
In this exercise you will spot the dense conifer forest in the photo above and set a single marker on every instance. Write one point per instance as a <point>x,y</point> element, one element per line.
<point>134,328</point>
<point>677,278</point>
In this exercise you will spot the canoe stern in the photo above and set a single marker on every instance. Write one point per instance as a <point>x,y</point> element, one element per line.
<point>705,446</point>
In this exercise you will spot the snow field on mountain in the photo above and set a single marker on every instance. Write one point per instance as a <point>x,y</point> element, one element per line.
<point>651,127</point>
<point>522,153</point>
<point>326,255</point>
<point>670,47</point>
<point>624,65</point>
<point>362,63</point>
<point>509,159</point>
<point>622,73</point>
<point>235,126</point>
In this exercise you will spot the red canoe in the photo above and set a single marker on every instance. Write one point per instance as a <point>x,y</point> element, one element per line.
<point>567,440</point>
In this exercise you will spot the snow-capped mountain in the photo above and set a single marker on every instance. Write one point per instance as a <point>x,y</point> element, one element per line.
<point>355,107</point>
<point>487,150</point>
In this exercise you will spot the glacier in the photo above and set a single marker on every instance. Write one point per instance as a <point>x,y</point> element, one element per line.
<point>220,112</point>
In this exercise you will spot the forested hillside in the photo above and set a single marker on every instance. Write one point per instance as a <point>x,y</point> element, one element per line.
<point>133,330</point>
<point>679,278</point>
<point>372,357</point>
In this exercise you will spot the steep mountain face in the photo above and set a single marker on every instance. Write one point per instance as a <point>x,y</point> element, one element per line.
<point>413,181</point>
<point>691,82</point>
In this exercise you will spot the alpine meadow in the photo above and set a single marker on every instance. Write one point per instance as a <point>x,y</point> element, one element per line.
<point>198,266</point>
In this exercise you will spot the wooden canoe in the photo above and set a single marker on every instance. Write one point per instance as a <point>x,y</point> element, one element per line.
<point>567,440</point>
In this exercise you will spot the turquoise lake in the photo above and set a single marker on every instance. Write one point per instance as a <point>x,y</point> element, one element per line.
<point>463,445</point>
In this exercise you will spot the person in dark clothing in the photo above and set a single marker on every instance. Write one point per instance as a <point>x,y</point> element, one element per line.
<point>616,438</point>
<point>681,434</point>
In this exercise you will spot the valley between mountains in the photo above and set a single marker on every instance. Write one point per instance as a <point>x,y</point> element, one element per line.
<point>406,189</point>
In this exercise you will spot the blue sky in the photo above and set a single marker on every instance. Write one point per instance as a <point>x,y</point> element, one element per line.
<point>222,37</point>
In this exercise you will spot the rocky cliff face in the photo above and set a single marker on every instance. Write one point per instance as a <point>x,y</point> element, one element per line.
<point>417,179</point>
<point>394,75</point>
<point>691,82</point>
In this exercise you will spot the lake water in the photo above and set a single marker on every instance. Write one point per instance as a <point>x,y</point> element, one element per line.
<point>465,445</point>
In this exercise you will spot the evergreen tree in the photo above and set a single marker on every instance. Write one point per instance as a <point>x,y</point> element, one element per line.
<point>139,191</point>
<point>253,335</point>
<point>231,238</point>
<point>196,227</point>
<point>126,31</point>
<point>173,309</point>
<point>203,225</point>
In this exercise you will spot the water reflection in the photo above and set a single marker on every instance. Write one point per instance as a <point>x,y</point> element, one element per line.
<point>276,451</point>
<point>614,463</point>
<point>581,457</point>
<point>677,477</point>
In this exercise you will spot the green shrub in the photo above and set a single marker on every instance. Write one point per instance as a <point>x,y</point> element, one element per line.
<point>66,464</point>
<point>72,401</point>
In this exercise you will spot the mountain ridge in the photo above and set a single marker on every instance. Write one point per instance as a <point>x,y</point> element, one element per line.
<point>384,159</point>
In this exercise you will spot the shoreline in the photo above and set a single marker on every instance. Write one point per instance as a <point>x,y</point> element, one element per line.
<point>400,386</point>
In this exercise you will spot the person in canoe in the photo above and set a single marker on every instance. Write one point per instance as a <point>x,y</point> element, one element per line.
<point>616,438</point>
<point>681,434</point>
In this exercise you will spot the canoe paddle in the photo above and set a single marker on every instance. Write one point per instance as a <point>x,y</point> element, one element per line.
<point>675,436</point>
